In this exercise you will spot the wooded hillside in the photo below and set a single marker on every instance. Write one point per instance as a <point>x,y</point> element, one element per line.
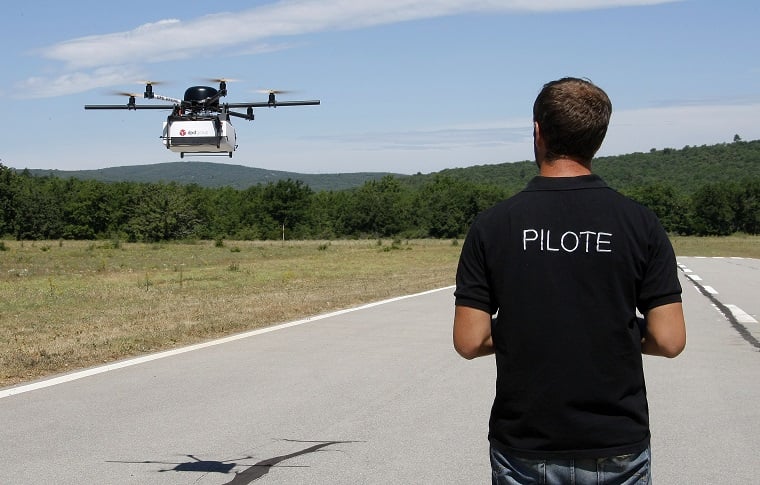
<point>686,169</point>
<point>712,190</point>
<point>206,174</point>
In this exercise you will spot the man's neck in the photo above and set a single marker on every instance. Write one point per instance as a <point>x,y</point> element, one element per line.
<point>564,167</point>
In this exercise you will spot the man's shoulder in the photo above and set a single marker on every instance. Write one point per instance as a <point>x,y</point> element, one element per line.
<point>633,205</point>
<point>505,206</point>
<point>537,201</point>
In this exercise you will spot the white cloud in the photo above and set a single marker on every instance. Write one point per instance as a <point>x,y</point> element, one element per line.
<point>75,82</point>
<point>176,39</point>
<point>249,31</point>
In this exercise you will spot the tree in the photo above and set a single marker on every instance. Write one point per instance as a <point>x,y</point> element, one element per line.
<point>161,214</point>
<point>327,214</point>
<point>380,208</point>
<point>85,211</point>
<point>670,207</point>
<point>37,208</point>
<point>444,207</point>
<point>7,209</point>
<point>714,211</point>
<point>748,214</point>
<point>223,209</point>
<point>286,203</point>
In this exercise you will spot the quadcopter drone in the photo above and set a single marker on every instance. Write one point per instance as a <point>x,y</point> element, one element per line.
<point>200,123</point>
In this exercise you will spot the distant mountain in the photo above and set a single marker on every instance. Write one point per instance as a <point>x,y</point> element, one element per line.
<point>207,174</point>
<point>686,169</point>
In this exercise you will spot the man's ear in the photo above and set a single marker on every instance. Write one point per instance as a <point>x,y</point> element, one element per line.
<point>539,150</point>
<point>537,134</point>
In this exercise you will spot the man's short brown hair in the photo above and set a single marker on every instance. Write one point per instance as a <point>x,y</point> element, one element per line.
<point>572,115</point>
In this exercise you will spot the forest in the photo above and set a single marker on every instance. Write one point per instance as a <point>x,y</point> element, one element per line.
<point>705,191</point>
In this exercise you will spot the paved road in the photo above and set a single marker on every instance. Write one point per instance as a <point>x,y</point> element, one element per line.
<point>705,404</point>
<point>374,396</point>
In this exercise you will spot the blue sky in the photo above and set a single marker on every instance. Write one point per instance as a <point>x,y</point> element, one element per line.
<point>406,86</point>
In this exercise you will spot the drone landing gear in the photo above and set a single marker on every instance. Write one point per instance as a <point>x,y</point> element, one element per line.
<point>218,130</point>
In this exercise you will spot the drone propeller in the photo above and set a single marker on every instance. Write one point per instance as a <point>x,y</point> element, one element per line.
<point>131,96</point>
<point>148,94</point>
<point>131,104</point>
<point>274,91</point>
<point>124,93</point>
<point>221,80</point>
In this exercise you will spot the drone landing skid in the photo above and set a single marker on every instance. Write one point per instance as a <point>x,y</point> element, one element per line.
<point>206,154</point>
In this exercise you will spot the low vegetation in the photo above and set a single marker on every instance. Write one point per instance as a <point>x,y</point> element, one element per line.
<point>73,304</point>
<point>739,245</point>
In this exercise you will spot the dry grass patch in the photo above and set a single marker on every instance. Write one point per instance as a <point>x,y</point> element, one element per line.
<point>737,245</point>
<point>70,305</point>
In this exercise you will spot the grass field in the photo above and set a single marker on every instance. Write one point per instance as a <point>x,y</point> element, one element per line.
<point>737,245</point>
<point>68,305</point>
<point>72,304</point>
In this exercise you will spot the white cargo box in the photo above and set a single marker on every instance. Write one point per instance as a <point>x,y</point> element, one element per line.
<point>199,136</point>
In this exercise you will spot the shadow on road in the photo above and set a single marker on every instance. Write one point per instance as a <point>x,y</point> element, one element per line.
<point>249,472</point>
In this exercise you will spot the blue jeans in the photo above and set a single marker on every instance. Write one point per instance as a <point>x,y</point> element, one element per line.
<point>614,470</point>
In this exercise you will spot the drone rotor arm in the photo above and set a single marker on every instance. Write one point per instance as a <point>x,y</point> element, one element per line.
<point>246,105</point>
<point>167,98</point>
<point>279,103</point>
<point>127,106</point>
<point>248,117</point>
<point>312,102</point>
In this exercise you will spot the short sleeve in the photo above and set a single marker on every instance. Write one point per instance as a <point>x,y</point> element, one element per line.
<point>660,285</point>
<point>472,286</point>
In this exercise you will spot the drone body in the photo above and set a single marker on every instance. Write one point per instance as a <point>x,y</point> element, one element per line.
<point>199,123</point>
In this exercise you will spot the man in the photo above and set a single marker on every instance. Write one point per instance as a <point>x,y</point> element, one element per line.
<point>563,266</point>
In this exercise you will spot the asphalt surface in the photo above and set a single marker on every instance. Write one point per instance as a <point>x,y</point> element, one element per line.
<point>375,395</point>
<point>705,404</point>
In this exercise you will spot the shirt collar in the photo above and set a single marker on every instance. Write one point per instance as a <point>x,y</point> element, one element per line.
<point>591,181</point>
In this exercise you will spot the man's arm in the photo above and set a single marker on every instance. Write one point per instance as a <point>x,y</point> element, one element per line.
<point>472,332</point>
<point>665,331</point>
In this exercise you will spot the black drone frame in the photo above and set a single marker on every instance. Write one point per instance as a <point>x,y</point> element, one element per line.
<point>199,100</point>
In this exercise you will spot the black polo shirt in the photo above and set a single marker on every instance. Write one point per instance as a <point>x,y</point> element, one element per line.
<point>566,263</point>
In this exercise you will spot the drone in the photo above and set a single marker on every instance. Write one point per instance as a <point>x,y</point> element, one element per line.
<point>200,123</point>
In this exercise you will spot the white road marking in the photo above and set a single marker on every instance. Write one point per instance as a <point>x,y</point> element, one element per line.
<point>741,315</point>
<point>694,277</point>
<point>160,355</point>
<point>710,290</point>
